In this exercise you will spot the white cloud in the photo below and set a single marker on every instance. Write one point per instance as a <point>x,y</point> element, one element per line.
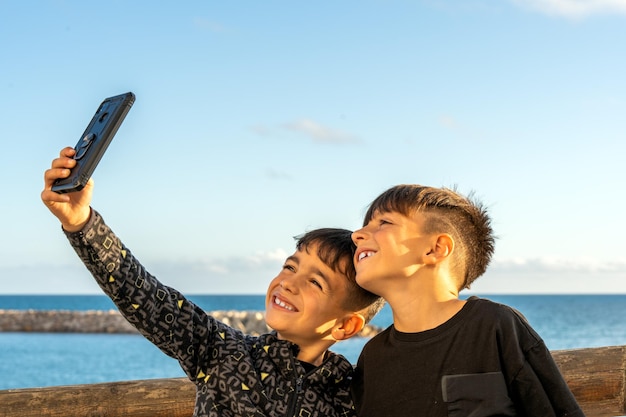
<point>47,279</point>
<point>553,276</point>
<point>588,265</point>
<point>234,275</point>
<point>252,274</point>
<point>320,133</point>
<point>575,8</point>
<point>311,129</point>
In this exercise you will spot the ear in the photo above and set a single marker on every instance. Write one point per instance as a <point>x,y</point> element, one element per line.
<point>349,326</point>
<point>442,247</point>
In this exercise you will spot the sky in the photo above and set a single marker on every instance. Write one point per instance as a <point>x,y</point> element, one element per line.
<point>257,121</point>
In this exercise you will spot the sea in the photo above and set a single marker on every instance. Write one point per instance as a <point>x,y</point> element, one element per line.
<point>30,360</point>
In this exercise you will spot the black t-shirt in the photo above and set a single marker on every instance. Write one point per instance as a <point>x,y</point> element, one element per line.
<point>485,361</point>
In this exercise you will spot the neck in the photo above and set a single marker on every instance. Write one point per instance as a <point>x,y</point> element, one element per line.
<point>313,353</point>
<point>416,317</point>
<point>423,308</point>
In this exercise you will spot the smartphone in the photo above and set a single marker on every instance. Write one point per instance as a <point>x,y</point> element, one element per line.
<point>95,141</point>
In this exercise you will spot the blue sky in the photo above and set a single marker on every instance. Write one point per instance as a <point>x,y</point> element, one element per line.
<point>255,121</point>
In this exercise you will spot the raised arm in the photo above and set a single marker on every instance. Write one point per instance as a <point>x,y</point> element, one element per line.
<point>162,314</point>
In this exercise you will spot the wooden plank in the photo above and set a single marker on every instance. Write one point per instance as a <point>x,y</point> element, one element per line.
<point>595,375</point>
<point>143,398</point>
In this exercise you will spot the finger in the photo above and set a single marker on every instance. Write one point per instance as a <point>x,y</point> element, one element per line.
<point>63,162</point>
<point>68,151</point>
<point>65,159</point>
<point>52,174</point>
<point>50,197</point>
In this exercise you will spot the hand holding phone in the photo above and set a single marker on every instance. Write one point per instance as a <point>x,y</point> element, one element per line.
<point>95,140</point>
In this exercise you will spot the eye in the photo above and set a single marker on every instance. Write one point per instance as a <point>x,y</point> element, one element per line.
<point>289,267</point>
<point>316,283</point>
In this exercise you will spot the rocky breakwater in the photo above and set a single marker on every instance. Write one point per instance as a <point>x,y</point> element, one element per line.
<point>95,321</point>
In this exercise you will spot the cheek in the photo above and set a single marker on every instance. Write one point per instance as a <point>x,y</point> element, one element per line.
<point>312,300</point>
<point>273,284</point>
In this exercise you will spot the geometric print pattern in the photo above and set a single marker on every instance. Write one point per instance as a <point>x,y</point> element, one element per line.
<point>234,374</point>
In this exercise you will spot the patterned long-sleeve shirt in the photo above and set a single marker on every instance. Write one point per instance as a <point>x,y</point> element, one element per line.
<point>234,374</point>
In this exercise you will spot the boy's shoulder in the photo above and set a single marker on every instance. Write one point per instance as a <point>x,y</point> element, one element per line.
<point>502,314</point>
<point>487,305</point>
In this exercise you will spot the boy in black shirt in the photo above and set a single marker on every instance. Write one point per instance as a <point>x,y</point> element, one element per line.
<point>443,356</point>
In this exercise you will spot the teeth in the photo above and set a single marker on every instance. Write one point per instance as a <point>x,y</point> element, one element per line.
<point>364,255</point>
<point>283,304</point>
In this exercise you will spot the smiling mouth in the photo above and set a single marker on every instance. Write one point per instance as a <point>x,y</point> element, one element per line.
<point>365,254</point>
<point>277,301</point>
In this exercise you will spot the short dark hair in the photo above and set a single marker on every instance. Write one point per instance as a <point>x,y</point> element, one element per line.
<point>445,211</point>
<point>336,249</point>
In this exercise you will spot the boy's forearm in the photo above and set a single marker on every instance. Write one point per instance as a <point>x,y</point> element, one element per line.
<point>157,311</point>
<point>105,257</point>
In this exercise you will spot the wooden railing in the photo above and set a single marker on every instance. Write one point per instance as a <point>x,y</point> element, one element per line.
<point>595,375</point>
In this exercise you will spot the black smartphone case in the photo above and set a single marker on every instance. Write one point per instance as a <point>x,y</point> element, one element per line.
<point>95,141</point>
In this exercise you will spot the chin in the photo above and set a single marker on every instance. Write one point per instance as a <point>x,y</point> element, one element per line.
<point>363,282</point>
<point>274,323</point>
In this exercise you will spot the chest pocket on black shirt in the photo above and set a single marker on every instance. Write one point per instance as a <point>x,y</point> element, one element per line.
<point>477,395</point>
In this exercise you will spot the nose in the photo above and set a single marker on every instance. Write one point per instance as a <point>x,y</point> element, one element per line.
<point>358,235</point>
<point>289,284</point>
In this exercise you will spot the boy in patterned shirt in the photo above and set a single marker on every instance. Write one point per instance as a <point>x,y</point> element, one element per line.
<point>312,303</point>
